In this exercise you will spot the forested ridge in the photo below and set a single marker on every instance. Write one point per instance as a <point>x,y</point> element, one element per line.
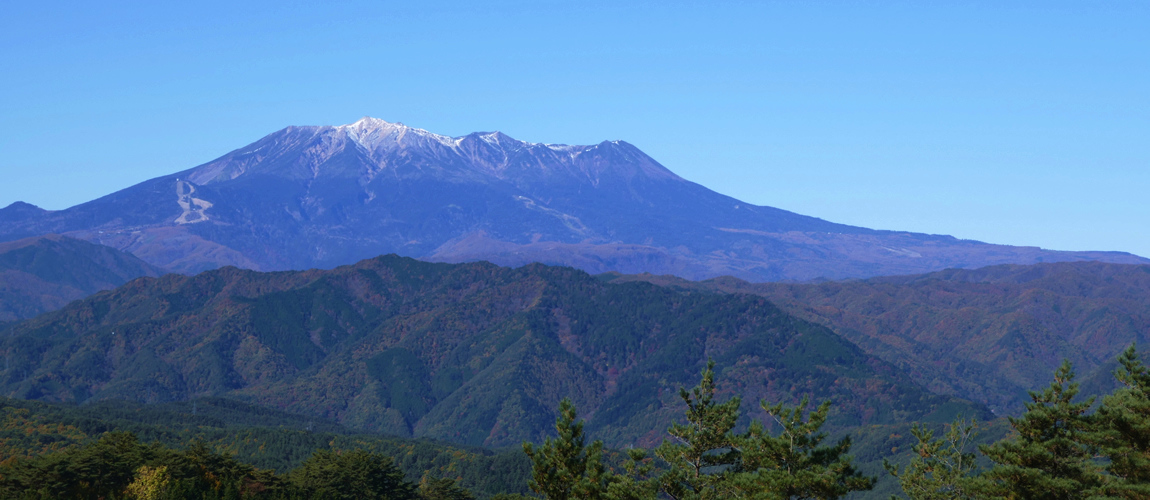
<point>470,353</point>
<point>236,383</point>
<point>987,335</point>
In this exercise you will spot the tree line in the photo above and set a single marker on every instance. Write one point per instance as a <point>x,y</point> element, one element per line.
<point>119,466</point>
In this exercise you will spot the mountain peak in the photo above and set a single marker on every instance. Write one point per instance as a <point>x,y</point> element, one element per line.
<point>368,124</point>
<point>20,205</point>
<point>20,210</point>
<point>372,133</point>
<point>500,139</point>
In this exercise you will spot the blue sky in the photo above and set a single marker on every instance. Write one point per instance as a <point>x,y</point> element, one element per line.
<point>1010,122</point>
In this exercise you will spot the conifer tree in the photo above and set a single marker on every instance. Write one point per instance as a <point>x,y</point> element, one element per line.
<point>563,468</point>
<point>636,482</point>
<point>1123,431</point>
<point>942,469</point>
<point>352,475</point>
<point>1047,458</point>
<point>795,463</point>
<point>702,453</point>
<point>442,488</point>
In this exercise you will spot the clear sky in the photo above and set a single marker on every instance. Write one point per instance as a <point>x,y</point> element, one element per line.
<point>1009,122</point>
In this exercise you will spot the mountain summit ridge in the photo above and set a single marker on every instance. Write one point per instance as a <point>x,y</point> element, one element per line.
<point>324,196</point>
<point>491,153</point>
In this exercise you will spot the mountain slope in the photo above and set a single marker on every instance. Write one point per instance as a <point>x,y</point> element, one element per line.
<point>45,273</point>
<point>470,353</point>
<point>326,196</point>
<point>987,334</point>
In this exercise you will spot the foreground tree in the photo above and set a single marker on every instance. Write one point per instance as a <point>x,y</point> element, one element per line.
<point>795,463</point>
<point>1122,434</point>
<point>564,468</point>
<point>704,459</point>
<point>150,483</point>
<point>442,488</point>
<point>1048,458</point>
<point>119,466</point>
<point>636,482</point>
<point>943,468</point>
<point>352,475</point>
<point>702,453</point>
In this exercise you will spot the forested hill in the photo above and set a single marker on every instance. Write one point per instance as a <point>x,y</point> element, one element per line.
<point>471,353</point>
<point>987,334</point>
<point>44,273</point>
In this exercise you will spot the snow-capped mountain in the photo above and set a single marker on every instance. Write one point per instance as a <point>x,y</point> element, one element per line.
<point>331,195</point>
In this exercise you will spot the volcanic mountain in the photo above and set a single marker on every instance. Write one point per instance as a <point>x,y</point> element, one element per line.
<point>325,196</point>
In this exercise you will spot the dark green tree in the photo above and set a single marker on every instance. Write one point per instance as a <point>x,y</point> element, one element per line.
<point>442,488</point>
<point>204,469</point>
<point>352,475</point>
<point>106,468</point>
<point>100,470</point>
<point>564,468</point>
<point>1122,434</point>
<point>1046,458</point>
<point>701,454</point>
<point>636,481</point>
<point>795,463</point>
<point>942,469</point>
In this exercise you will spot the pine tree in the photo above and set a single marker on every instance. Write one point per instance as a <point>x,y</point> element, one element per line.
<point>564,469</point>
<point>352,475</point>
<point>943,469</point>
<point>442,488</point>
<point>1047,458</point>
<point>702,453</point>
<point>636,482</point>
<point>795,463</point>
<point>1123,431</point>
<point>562,466</point>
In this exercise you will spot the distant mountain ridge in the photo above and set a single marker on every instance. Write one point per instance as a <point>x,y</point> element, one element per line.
<point>988,334</point>
<point>44,273</point>
<point>307,197</point>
